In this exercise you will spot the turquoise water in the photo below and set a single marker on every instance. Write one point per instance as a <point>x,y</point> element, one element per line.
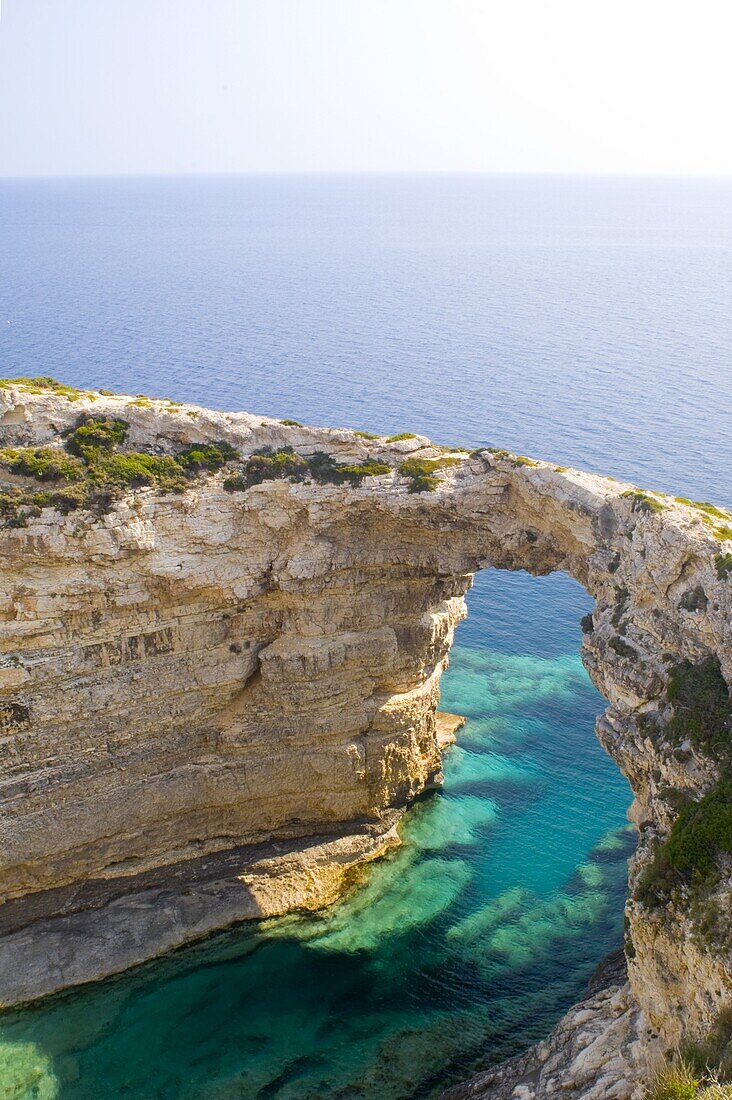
<point>587,321</point>
<point>472,938</point>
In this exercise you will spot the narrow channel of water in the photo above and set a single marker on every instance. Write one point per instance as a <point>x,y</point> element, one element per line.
<point>469,942</point>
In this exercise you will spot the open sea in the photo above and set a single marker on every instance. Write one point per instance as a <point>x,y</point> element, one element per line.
<point>586,321</point>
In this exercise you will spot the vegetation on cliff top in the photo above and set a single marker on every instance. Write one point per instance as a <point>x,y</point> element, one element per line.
<point>42,463</point>
<point>90,471</point>
<point>421,472</point>
<point>642,502</point>
<point>287,464</point>
<point>42,382</point>
<point>718,519</point>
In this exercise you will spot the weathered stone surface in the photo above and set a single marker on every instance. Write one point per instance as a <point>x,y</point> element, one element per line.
<point>189,675</point>
<point>599,1051</point>
<point>117,929</point>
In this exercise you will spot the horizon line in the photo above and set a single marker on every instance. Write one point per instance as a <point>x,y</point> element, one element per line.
<point>360,172</point>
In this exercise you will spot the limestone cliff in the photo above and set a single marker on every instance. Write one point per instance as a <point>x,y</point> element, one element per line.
<point>215,700</point>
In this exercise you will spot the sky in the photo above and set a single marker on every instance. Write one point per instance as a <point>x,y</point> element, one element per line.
<point>175,86</point>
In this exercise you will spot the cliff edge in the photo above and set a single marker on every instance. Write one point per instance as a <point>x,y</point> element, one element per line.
<point>222,642</point>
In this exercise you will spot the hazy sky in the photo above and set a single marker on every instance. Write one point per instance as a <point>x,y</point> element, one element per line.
<point>100,86</point>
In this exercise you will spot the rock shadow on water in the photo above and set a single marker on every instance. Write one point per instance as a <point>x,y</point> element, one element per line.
<point>398,896</point>
<point>520,929</point>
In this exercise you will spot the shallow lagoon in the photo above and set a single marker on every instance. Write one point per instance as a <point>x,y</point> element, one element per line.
<point>471,938</point>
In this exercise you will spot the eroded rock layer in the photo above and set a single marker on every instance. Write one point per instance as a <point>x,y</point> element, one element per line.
<point>186,675</point>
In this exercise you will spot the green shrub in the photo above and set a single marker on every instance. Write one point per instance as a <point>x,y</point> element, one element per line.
<point>675,1081</point>
<point>370,468</point>
<point>43,382</point>
<point>422,471</point>
<point>398,438</point>
<point>423,484</point>
<point>236,483</point>
<point>695,599</point>
<point>65,500</point>
<point>291,423</point>
<point>522,460</point>
<point>657,881</point>
<point>711,509</point>
<point>323,468</point>
<point>642,502</point>
<point>702,707</point>
<point>42,463</point>
<point>134,469</point>
<point>424,467</point>
<point>271,465</point>
<point>200,457</point>
<point>17,507</point>
<point>715,1052</point>
<point>701,833</point>
<point>286,464</point>
<point>366,435</point>
<point>96,433</point>
<point>326,471</point>
<point>698,1070</point>
<point>96,472</point>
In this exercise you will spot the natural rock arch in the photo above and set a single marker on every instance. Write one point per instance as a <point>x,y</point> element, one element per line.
<point>190,676</point>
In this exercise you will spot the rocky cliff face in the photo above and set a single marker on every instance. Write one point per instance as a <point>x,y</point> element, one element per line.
<point>216,700</point>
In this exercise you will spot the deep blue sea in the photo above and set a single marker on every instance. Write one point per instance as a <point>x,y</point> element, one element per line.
<point>588,321</point>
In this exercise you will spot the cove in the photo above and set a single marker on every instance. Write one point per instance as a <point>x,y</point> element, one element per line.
<point>464,946</point>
